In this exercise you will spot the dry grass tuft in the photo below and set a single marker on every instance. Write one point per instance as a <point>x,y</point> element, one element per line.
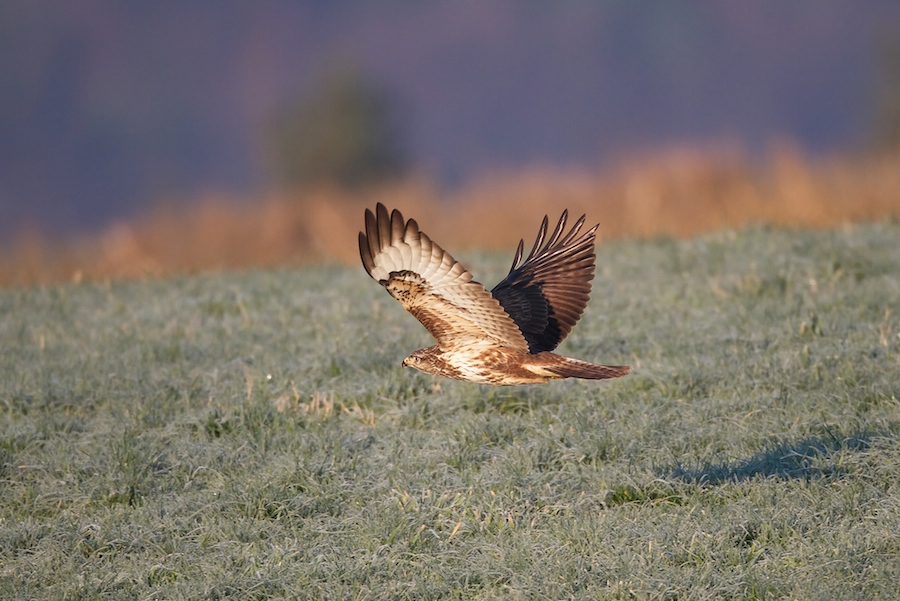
<point>679,193</point>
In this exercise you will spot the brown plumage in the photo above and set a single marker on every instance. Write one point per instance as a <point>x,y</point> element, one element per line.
<point>502,337</point>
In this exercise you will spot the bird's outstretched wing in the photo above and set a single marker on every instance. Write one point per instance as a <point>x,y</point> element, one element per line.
<point>432,285</point>
<point>547,292</point>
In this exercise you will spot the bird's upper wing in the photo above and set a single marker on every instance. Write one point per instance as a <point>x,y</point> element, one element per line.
<point>432,285</point>
<point>547,293</point>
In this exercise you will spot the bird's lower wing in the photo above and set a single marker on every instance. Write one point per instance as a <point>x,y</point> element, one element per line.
<point>461,313</point>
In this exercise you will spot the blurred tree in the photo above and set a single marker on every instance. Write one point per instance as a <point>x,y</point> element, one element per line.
<point>887,95</point>
<point>343,133</point>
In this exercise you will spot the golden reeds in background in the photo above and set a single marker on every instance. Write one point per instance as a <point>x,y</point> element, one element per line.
<point>676,194</point>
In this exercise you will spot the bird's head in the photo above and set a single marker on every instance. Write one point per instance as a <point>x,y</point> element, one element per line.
<point>414,360</point>
<point>423,360</point>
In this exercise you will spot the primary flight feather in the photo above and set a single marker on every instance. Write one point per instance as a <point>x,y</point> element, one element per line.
<point>501,337</point>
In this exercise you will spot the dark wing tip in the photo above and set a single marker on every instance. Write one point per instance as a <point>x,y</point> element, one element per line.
<point>366,254</point>
<point>412,231</point>
<point>372,233</point>
<point>542,232</point>
<point>518,257</point>
<point>383,221</point>
<point>557,232</point>
<point>575,229</point>
<point>398,227</point>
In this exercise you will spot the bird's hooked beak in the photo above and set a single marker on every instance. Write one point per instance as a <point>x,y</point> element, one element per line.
<point>404,363</point>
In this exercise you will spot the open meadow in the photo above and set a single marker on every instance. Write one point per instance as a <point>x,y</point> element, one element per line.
<point>252,436</point>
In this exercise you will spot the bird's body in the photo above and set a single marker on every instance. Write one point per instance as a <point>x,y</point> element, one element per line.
<point>487,364</point>
<point>502,337</point>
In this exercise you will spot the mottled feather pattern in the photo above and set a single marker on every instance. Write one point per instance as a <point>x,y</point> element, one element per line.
<point>395,252</point>
<point>501,337</point>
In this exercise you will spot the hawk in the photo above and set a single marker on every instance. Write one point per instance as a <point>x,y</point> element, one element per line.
<point>502,337</point>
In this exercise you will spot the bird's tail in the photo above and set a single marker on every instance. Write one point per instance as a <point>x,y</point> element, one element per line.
<point>566,367</point>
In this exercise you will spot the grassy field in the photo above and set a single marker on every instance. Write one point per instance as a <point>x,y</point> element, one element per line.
<point>251,436</point>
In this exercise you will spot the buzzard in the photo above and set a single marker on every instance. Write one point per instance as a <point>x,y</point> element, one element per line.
<point>502,337</point>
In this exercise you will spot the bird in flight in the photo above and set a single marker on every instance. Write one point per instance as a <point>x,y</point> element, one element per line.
<point>502,337</point>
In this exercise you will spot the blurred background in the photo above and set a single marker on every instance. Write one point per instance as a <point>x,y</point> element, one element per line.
<point>172,136</point>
